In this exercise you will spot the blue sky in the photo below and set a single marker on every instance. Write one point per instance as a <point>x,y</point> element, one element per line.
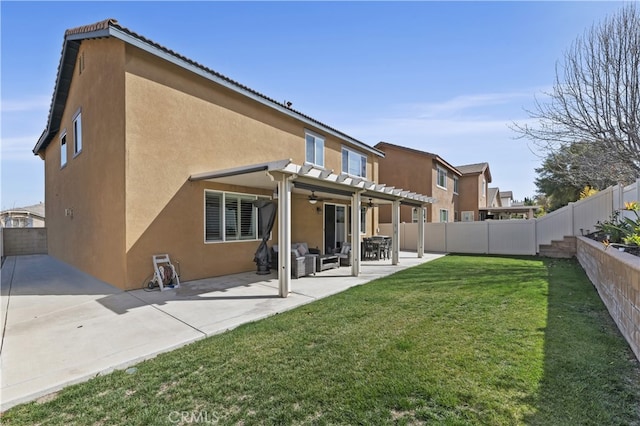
<point>443,77</point>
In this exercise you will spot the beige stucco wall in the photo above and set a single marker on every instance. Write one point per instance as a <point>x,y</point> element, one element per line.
<point>85,199</point>
<point>147,126</point>
<point>471,195</point>
<point>416,172</point>
<point>195,126</point>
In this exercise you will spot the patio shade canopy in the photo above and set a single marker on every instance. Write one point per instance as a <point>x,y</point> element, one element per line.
<point>286,177</point>
<point>310,178</point>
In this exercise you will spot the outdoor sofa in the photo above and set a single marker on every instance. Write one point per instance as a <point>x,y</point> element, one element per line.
<point>303,259</point>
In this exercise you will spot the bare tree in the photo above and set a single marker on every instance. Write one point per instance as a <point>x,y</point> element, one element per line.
<point>596,98</point>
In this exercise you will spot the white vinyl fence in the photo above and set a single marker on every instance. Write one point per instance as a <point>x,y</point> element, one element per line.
<point>519,236</point>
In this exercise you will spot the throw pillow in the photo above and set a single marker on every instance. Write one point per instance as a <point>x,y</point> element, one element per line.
<point>302,249</point>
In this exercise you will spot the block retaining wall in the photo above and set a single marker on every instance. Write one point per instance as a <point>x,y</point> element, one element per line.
<point>616,276</point>
<point>22,241</point>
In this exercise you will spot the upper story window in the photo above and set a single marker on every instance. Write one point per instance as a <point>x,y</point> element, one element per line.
<point>77,133</point>
<point>484,187</point>
<point>314,149</point>
<point>441,178</point>
<point>354,163</point>
<point>63,149</point>
<point>230,217</point>
<point>455,184</point>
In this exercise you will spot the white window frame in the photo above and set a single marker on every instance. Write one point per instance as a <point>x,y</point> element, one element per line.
<point>446,215</point>
<point>224,196</point>
<point>468,216</point>
<point>363,219</point>
<point>63,149</point>
<point>317,143</point>
<point>456,183</point>
<point>415,213</point>
<point>77,133</point>
<point>354,155</point>
<point>484,187</point>
<point>441,172</point>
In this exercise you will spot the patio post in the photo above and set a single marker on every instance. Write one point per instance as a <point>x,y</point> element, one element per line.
<point>395,239</point>
<point>420,232</point>
<point>284,235</point>
<point>355,234</point>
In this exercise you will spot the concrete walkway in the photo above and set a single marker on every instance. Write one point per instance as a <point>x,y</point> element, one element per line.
<point>61,326</point>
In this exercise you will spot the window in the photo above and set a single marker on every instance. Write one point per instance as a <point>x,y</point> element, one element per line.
<point>77,134</point>
<point>415,213</point>
<point>467,216</point>
<point>354,163</point>
<point>239,221</point>
<point>363,219</point>
<point>484,186</point>
<point>442,178</point>
<point>314,149</point>
<point>444,215</point>
<point>63,149</point>
<point>455,184</point>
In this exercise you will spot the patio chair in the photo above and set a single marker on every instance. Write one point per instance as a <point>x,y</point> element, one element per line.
<point>370,249</point>
<point>385,248</point>
<point>301,266</point>
<point>344,254</point>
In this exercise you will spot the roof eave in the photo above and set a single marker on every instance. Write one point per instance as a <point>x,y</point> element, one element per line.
<point>176,59</point>
<point>63,81</point>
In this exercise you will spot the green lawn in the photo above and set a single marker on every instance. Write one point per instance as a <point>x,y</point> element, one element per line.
<point>460,340</point>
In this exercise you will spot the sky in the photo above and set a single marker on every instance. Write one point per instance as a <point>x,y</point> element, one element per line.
<point>448,78</point>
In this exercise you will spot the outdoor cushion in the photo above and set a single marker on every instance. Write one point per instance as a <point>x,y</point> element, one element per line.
<point>302,249</point>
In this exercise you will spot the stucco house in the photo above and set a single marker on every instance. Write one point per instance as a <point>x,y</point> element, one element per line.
<point>422,172</point>
<point>147,151</point>
<point>474,190</point>
<point>23,217</point>
<point>506,198</point>
<point>501,206</point>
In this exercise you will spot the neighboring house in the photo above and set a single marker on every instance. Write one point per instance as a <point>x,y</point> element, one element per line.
<point>501,206</point>
<point>149,152</point>
<point>506,198</point>
<point>494,199</point>
<point>424,173</point>
<point>474,191</point>
<point>23,217</point>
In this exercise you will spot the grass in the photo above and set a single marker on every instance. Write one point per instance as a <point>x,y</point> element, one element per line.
<point>460,340</point>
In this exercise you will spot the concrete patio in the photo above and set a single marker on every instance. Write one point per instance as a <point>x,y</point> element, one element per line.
<point>61,326</point>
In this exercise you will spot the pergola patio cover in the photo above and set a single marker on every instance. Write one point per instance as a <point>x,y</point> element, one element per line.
<point>283,175</point>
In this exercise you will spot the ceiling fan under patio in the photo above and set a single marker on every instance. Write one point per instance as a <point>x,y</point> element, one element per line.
<point>313,198</point>
<point>370,204</point>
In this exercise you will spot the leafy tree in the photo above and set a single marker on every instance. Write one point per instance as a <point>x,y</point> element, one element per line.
<point>593,113</point>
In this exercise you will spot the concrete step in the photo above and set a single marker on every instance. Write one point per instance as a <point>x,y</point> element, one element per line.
<point>565,248</point>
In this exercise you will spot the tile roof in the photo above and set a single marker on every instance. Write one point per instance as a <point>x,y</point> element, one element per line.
<point>111,28</point>
<point>476,168</point>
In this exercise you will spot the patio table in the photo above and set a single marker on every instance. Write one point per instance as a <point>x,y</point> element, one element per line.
<point>326,261</point>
